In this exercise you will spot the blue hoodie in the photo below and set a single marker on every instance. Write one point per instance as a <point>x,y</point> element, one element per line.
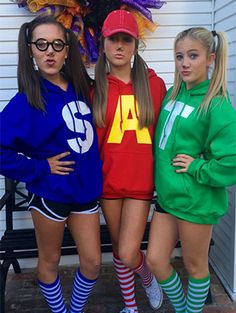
<point>30,136</point>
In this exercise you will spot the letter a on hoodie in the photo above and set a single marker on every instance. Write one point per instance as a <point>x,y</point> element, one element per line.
<point>126,119</point>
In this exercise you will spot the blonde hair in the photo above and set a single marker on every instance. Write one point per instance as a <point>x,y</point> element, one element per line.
<point>142,93</point>
<point>213,43</point>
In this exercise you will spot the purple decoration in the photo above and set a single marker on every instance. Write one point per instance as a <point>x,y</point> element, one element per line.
<point>77,24</point>
<point>82,50</point>
<point>91,43</point>
<point>155,4</point>
<point>21,3</point>
<point>54,10</point>
<point>138,7</point>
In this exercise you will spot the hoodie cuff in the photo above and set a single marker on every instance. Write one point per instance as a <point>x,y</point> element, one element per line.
<point>195,166</point>
<point>43,168</point>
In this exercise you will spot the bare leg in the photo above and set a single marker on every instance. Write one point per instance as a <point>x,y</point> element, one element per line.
<point>112,213</point>
<point>163,237</point>
<point>133,222</point>
<point>49,235</point>
<point>85,229</point>
<point>126,220</point>
<point>195,241</point>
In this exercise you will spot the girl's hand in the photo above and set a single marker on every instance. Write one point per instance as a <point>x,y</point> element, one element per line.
<point>60,167</point>
<point>182,160</point>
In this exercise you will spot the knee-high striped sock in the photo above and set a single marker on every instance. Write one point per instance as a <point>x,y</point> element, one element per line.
<point>53,295</point>
<point>126,280</point>
<point>197,294</point>
<point>173,288</point>
<point>81,291</point>
<point>143,271</point>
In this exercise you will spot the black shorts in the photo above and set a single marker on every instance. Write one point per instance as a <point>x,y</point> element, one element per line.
<point>60,211</point>
<point>159,209</point>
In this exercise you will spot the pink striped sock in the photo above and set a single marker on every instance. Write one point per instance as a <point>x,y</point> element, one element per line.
<point>143,271</point>
<point>126,280</point>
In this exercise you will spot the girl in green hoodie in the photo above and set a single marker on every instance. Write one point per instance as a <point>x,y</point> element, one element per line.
<point>195,159</point>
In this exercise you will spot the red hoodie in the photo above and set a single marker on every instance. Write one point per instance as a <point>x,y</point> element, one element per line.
<point>126,151</point>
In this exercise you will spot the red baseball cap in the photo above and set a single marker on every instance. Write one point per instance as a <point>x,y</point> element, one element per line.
<point>120,21</point>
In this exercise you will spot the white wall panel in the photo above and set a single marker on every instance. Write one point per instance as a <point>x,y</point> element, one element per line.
<point>223,254</point>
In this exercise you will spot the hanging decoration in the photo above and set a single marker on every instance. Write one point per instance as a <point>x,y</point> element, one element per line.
<point>85,18</point>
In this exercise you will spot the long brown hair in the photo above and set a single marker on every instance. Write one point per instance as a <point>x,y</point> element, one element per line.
<point>140,80</point>
<point>73,69</point>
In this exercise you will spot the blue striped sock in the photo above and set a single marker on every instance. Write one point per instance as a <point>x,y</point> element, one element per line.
<point>81,291</point>
<point>53,295</point>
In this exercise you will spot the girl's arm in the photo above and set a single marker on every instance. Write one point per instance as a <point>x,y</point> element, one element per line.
<point>19,167</point>
<point>218,167</point>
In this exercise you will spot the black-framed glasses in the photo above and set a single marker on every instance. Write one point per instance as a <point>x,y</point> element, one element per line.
<point>42,44</point>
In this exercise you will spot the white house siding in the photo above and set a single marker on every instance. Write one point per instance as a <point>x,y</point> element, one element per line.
<point>223,254</point>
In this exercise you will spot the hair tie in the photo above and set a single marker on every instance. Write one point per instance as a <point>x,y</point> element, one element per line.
<point>214,33</point>
<point>27,31</point>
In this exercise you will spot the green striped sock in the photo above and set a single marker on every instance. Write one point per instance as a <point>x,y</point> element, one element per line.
<point>173,288</point>
<point>197,294</point>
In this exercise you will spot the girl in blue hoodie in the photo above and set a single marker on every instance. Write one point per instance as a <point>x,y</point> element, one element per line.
<point>48,141</point>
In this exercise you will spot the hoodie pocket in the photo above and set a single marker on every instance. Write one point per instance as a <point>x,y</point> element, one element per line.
<point>170,186</point>
<point>126,174</point>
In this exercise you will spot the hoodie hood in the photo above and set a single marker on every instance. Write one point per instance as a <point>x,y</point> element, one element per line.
<point>191,97</point>
<point>117,82</point>
<point>199,89</point>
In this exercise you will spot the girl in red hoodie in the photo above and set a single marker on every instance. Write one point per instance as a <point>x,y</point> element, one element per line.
<point>126,105</point>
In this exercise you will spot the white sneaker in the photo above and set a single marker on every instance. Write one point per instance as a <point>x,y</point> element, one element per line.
<point>154,294</point>
<point>126,310</point>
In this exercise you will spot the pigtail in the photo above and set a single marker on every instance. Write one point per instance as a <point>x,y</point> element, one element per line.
<point>27,76</point>
<point>140,79</point>
<point>218,84</point>
<point>74,68</point>
<point>100,91</point>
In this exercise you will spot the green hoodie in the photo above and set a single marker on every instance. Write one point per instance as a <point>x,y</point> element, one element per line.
<point>199,195</point>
